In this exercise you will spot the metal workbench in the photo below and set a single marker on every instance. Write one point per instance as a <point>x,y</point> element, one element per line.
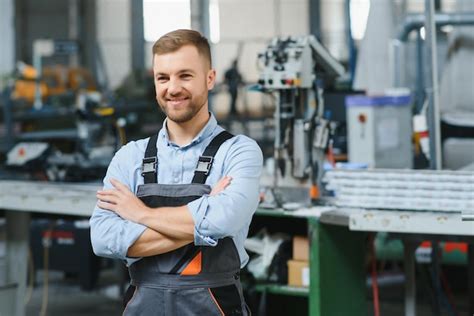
<point>337,237</point>
<point>19,199</point>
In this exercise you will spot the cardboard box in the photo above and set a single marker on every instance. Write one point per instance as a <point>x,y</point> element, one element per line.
<point>298,273</point>
<point>300,248</point>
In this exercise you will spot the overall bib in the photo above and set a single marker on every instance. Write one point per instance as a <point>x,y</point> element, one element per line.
<point>191,280</point>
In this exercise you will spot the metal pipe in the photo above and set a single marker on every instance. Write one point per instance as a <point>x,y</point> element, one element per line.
<point>350,41</point>
<point>432,87</point>
<point>416,21</point>
<point>7,118</point>
<point>137,39</point>
<point>420,79</point>
<point>73,29</point>
<point>315,18</point>
<point>395,62</point>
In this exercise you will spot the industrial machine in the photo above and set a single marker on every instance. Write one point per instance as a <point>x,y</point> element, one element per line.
<point>81,153</point>
<point>296,70</point>
<point>379,130</point>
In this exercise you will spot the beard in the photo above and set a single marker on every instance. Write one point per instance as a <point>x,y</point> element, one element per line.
<point>186,113</point>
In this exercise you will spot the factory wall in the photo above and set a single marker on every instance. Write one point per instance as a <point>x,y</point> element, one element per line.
<point>30,25</point>
<point>333,25</point>
<point>246,27</point>
<point>113,37</point>
<point>7,47</point>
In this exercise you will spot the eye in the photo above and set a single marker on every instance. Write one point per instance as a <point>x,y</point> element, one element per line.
<point>161,79</point>
<point>186,76</point>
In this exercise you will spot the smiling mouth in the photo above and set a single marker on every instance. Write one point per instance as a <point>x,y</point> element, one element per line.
<point>176,101</point>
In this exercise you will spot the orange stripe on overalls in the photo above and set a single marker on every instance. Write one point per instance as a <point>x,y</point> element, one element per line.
<point>194,266</point>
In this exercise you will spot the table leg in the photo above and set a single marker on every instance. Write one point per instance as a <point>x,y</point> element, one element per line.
<point>17,230</point>
<point>470,271</point>
<point>337,270</point>
<point>410,278</point>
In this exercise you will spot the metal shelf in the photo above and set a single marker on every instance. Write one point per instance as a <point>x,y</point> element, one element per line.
<point>283,289</point>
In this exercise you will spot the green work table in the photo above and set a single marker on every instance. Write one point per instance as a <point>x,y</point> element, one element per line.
<point>337,266</point>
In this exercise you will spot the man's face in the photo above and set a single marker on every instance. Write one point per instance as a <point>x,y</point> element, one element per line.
<point>182,81</point>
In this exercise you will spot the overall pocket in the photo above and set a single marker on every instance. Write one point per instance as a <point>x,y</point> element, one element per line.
<point>228,300</point>
<point>216,301</point>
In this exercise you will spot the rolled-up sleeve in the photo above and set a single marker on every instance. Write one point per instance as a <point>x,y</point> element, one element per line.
<point>111,235</point>
<point>226,213</point>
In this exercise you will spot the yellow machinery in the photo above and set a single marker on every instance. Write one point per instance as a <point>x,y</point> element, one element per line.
<point>55,80</point>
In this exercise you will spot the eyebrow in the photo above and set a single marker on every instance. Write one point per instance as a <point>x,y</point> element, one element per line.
<point>186,70</point>
<point>179,72</point>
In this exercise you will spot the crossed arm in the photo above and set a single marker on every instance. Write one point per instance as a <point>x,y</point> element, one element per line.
<point>168,228</point>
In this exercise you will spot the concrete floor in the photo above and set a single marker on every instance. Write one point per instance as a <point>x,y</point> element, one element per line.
<point>66,298</point>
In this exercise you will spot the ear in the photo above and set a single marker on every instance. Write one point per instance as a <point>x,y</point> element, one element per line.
<point>211,79</point>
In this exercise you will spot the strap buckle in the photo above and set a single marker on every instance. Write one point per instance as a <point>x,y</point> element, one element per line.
<point>204,164</point>
<point>149,165</point>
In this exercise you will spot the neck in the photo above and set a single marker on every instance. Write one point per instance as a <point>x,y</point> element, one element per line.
<point>183,133</point>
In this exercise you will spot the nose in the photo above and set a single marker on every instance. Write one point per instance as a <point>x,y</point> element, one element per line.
<point>174,87</point>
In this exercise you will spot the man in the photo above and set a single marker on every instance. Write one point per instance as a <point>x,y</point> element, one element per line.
<point>182,241</point>
<point>233,80</point>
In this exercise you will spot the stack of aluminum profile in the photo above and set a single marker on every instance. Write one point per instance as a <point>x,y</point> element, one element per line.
<point>409,190</point>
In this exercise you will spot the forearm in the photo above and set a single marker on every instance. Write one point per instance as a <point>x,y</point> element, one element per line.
<point>175,222</point>
<point>152,243</point>
<point>111,235</point>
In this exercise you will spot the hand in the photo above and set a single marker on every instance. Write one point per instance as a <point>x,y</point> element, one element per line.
<point>122,201</point>
<point>221,185</point>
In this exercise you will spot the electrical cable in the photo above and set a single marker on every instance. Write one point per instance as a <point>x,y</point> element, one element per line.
<point>31,281</point>
<point>449,293</point>
<point>440,295</point>
<point>47,242</point>
<point>375,287</point>
<point>442,301</point>
<point>330,154</point>
<point>425,275</point>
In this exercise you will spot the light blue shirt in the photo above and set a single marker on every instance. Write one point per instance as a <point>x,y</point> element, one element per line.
<point>227,214</point>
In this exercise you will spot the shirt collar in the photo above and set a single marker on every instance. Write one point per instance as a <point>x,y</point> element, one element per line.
<point>206,131</point>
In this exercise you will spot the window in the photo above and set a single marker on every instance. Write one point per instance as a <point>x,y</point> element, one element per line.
<point>359,11</point>
<point>163,16</point>
<point>214,21</point>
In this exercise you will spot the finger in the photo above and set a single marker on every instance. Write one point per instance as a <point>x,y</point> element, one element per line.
<point>107,198</point>
<point>223,181</point>
<point>220,186</point>
<point>106,206</point>
<point>120,186</point>
<point>109,193</point>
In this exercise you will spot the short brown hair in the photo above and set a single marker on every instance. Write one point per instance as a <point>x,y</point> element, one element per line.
<point>172,41</point>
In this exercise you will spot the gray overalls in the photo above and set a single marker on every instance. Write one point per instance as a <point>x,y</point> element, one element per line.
<point>191,280</point>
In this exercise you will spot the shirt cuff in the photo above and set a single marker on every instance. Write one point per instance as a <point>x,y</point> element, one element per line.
<point>198,210</point>
<point>134,231</point>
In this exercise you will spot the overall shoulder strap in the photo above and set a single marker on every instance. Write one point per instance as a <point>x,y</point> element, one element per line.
<point>206,159</point>
<point>149,164</point>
